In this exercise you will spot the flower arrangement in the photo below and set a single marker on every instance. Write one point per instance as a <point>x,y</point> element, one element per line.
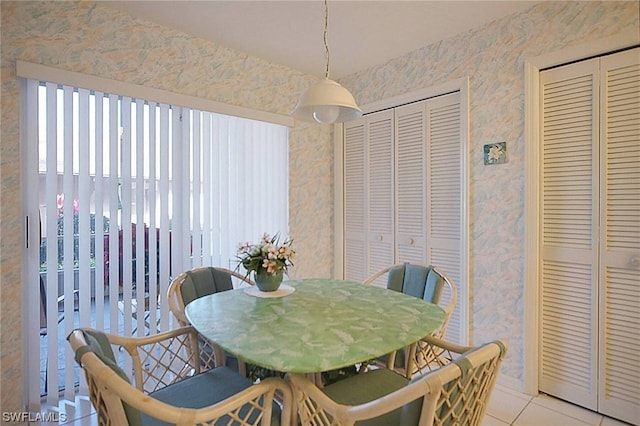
<point>267,256</point>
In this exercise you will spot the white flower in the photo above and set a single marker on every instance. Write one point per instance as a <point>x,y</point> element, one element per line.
<point>495,152</point>
<point>267,255</point>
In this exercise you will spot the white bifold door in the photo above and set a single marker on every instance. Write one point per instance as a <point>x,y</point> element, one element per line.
<point>590,216</point>
<point>404,194</point>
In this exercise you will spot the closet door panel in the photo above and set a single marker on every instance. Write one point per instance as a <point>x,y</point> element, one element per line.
<point>380,192</point>
<point>411,202</point>
<point>568,320</point>
<point>444,158</point>
<point>619,378</point>
<point>354,201</point>
<point>389,165</point>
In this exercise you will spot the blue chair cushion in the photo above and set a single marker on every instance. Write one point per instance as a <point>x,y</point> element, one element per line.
<point>203,282</point>
<point>98,343</point>
<point>433,287</point>
<point>369,386</point>
<point>206,389</point>
<point>417,281</point>
<point>395,279</point>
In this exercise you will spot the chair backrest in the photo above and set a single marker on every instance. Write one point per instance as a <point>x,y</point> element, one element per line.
<point>425,282</point>
<point>99,345</point>
<point>196,283</point>
<point>454,394</point>
<point>166,376</point>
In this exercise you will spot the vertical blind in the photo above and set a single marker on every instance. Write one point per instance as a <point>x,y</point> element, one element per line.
<point>130,193</point>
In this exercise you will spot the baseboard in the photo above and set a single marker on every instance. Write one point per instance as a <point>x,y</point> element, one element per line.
<point>511,383</point>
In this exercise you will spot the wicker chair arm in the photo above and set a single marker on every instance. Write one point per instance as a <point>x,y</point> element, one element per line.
<point>113,389</point>
<point>378,274</point>
<point>444,345</point>
<point>174,299</point>
<point>455,393</point>
<point>344,415</point>
<point>187,416</point>
<point>132,342</point>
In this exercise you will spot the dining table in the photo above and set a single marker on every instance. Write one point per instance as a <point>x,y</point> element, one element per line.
<point>312,325</point>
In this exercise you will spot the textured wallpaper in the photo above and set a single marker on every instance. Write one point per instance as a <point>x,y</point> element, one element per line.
<point>95,39</point>
<point>493,57</point>
<point>98,40</point>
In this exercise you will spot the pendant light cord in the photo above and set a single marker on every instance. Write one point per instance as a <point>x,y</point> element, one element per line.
<point>326,44</point>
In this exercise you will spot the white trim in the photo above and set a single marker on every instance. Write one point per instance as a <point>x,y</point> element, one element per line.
<point>531,220</point>
<point>459,84</point>
<point>338,200</point>
<point>532,67</point>
<point>92,82</point>
<point>30,250</point>
<point>509,383</point>
<point>464,292</point>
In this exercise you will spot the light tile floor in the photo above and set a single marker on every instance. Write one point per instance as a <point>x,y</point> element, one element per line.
<point>507,407</point>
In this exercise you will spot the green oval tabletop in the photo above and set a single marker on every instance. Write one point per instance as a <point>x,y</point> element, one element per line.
<point>323,325</point>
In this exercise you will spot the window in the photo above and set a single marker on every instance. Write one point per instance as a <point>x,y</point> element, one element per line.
<point>126,193</point>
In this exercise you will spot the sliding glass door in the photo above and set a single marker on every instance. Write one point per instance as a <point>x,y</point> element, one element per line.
<point>125,194</point>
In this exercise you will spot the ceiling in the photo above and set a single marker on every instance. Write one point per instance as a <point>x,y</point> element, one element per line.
<point>361,34</point>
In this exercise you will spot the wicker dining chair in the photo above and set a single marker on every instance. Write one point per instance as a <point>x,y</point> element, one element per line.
<point>425,282</point>
<point>454,394</point>
<point>198,282</point>
<point>174,381</point>
<point>202,281</point>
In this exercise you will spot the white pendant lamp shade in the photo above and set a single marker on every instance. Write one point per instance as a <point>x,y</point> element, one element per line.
<point>327,102</point>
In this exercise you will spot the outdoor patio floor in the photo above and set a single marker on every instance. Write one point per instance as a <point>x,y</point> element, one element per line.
<point>64,348</point>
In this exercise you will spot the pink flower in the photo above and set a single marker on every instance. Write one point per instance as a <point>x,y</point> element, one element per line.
<point>266,255</point>
<point>59,204</point>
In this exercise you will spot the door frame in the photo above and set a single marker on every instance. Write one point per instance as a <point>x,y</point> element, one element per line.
<point>532,68</point>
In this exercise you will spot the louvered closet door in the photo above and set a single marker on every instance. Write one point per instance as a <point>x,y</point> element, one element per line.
<point>569,317</point>
<point>403,192</point>
<point>411,182</point>
<point>354,201</point>
<point>444,195</point>
<point>619,378</point>
<point>380,191</point>
<point>590,319</point>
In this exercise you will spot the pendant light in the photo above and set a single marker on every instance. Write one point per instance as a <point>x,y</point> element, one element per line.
<point>326,102</point>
